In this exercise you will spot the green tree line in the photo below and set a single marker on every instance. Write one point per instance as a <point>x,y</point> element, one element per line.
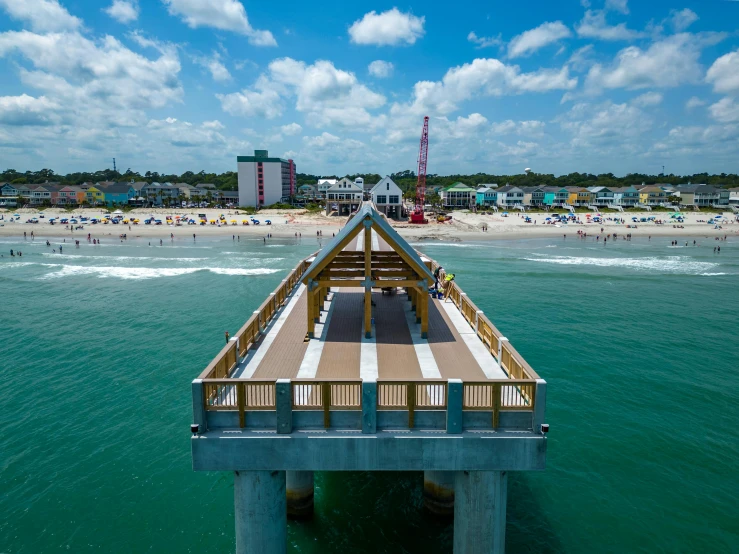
<point>406,179</point>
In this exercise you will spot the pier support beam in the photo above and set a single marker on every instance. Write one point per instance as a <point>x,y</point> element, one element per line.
<point>260,512</point>
<point>299,494</point>
<point>438,492</point>
<point>480,512</point>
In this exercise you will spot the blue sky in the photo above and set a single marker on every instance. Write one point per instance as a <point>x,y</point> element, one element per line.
<point>342,87</point>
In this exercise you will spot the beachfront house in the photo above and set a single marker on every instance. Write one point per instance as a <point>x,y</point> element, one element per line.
<point>533,196</point>
<point>344,197</point>
<point>307,193</point>
<point>627,197</point>
<point>652,195</point>
<point>601,196</point>
<point>555,196</point>
<point>707,195</point>
<point>118,194</point>
<point>578,196</point>
<point>458,195</point>
<point>388,197</point>
<point>69,195</point>
<point>733,196</point>
<point>509,196</point>
<point>8,190</point>
<point>39,194</point>
<point>323,185</point>
<point>486,196</point>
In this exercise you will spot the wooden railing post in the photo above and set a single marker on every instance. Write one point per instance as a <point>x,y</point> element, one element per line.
<point>240,402</point>
<point>326,399</point>
<point>496,404</point>
<point>501,340</point>
<point>410,395</point>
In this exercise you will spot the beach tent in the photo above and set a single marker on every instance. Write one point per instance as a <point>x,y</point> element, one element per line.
<point>117,212</point>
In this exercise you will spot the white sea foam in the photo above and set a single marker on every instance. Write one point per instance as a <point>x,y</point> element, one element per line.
<point>667,264</point>
<point>236,271</point>
<point>121,258</point>
<point>145,272</point>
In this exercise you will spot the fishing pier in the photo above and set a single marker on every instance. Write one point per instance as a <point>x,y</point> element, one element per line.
<point>351,365</point>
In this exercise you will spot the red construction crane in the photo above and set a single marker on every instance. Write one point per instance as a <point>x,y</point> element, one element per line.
<point>417,215</point>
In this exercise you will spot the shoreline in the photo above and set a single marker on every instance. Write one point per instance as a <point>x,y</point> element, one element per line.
<point>287,224</point>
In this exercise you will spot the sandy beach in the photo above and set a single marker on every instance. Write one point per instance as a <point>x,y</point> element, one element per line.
<point>464,226</point>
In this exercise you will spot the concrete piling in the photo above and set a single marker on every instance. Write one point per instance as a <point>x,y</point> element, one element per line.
<point>438,492</point>
<point>299,494</point>
<point>260,512</point>
<point>480,512</point>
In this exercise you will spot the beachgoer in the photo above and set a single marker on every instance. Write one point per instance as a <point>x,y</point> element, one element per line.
<point>436,277</point>
<point>60,248</point>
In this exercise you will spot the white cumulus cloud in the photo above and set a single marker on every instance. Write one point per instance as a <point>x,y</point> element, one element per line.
<point>261,100</point>
<point>725,110</point>
<point>27,110</point>
<point>618,5</point>
<point>215,66</point>
<point>484,42</point>
<point>123,11</point>
<point>291,129</point>
<point>594,25</point>
<point>227,15</point>
<point>648,99</point>
<point>389,28</point>
<point>381,69</point>
<point>532,40</point>
<point>682,19</point>
<point>325,94</point>
<point>482,77</point>
<point>724,73</point>
<point>694,102</point>
<point>41,15</point>
<point>666,63</point>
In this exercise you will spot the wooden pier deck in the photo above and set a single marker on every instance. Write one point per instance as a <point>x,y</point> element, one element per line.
<point>340,351</point>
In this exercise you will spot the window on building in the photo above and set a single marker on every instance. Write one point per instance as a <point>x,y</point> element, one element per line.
<point>381,199</point>
<point>394,199</point>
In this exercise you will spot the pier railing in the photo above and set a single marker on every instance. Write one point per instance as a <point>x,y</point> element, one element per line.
<point>222,401</point>
<point>246,338</point>
<point>391,403</point>
<point>508,357</point>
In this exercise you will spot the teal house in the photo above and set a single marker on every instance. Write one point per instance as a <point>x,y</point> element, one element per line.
<point>486,196</point>
<point>118,194</point>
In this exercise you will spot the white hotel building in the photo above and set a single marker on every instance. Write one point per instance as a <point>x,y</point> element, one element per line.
<point>263,180</point>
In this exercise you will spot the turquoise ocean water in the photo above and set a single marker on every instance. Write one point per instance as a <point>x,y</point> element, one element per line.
<point>639,343</point>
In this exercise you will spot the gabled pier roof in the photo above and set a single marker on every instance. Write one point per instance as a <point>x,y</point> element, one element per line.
<point>367,217</point>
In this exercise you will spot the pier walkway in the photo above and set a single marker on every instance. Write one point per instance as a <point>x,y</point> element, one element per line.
<point>350,364</point>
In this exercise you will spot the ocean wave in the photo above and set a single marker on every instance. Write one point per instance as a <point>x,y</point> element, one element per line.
<point>236,271</point>
<point>145,272</point>
<point>669,264</point>
<point>713,274</point>
<point>121,258</point>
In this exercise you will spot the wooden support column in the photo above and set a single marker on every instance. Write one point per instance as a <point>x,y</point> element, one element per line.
<point>425,314</point>
<point>368,278</point>
<point>419,305</point>
<point>318,299</point>
<point>311,311</point>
